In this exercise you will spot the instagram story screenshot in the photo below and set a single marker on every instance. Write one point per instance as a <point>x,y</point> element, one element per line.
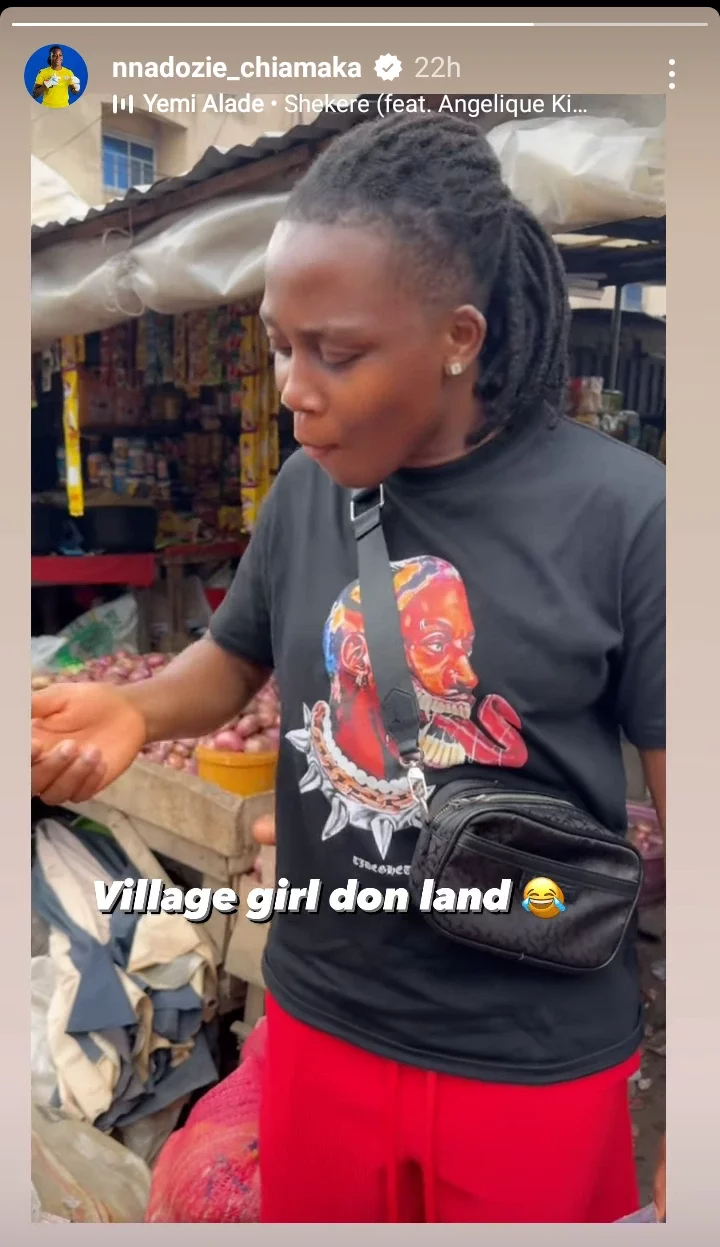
<point>339,347</point>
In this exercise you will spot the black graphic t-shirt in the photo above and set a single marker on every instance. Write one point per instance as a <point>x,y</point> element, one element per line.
<point>530,578</point>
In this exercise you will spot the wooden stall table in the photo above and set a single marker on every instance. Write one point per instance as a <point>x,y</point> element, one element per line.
<point>152,809</point>
<point>175,559</point>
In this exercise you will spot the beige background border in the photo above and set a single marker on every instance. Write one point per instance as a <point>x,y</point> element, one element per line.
<point>600,60</point>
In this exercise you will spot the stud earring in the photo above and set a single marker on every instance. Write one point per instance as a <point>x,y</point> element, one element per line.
<point>454,369</point>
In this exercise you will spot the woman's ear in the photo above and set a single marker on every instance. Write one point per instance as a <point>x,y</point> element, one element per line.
<point>466,338</point>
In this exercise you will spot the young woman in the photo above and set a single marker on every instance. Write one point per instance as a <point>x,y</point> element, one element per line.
<point>419,317</point>
<point>53,84</point>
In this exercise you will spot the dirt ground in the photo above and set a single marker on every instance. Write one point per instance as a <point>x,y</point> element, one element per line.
<point>648,1093</point>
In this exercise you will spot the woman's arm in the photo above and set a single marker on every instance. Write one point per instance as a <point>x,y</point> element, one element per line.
<point>653,764</point>
<point>85,735</point>
<point>198,692</point>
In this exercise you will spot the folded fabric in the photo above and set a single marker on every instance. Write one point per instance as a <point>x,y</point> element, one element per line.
<point>209,1170</point>
<point>132,992</point>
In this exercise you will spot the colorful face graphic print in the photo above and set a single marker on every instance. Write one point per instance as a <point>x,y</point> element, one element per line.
<point>350,757</point>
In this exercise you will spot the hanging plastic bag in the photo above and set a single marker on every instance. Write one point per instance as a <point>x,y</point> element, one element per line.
<point>44,651</point>
<point>42,1069</point>
<point>82,1175</point>
<point>99,632</point>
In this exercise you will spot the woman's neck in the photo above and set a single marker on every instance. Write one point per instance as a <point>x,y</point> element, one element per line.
<point>451,438</point>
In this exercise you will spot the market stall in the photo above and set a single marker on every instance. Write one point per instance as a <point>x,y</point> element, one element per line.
<point>155,440</point>
<point>194,802</point>
<point>160,290</point>
<point>157,433</point>
<point>167,442</point>
<point>157,428</point>
<point>155,813</point>
<point>133,1007</point>
<point>162,426</point>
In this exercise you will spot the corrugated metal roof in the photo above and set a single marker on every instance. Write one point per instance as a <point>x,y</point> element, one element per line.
<point>605,254</point>
<point>214,162</point>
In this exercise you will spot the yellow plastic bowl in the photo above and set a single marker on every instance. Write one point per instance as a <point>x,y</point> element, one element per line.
<point>245,774</point>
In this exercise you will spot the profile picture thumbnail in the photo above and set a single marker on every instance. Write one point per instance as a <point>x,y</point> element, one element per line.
<point>56,76</point>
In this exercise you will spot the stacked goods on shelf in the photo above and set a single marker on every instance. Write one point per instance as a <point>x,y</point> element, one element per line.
<point>617,421</point>
<point>254,734</point>
<point>590,403</point>
<point>179,411</point>
<point>585,400</point>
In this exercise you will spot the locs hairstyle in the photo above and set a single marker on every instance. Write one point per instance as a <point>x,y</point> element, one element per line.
<point>433,184</point>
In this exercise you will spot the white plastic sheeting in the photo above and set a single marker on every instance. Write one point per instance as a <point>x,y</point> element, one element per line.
<point>51,197</point>
<point>211,255</point>
<point>583,171</point>
<point>572,172</point>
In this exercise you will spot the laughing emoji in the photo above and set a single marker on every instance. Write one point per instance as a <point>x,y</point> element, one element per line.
<point>543,898</point>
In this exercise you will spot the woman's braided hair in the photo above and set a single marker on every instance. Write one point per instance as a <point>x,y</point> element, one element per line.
<point>433,183</point>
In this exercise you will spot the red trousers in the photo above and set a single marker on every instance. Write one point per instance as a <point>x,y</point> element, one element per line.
<point>347,1137</point>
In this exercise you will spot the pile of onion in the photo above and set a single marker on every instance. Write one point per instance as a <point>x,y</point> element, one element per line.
<point>119,668</point>
<point>645,831</point>
<point>179,755</point>
<point>257,730</point>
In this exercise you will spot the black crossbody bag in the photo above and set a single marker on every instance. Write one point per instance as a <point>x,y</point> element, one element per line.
<point>474,834</point>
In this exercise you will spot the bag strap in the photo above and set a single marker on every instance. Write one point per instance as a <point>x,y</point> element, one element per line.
<point>383,636</point>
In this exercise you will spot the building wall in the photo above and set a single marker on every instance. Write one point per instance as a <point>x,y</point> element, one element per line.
<point>655,300</point>
<point>70,140</point>
<point>652,300</point>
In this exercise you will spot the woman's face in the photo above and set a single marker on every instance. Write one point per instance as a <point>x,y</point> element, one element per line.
<point>56,58</point>
<point>360,359</point>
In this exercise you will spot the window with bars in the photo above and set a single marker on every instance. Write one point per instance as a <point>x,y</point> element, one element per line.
<point>632,298</point>
<point>126,163</point>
